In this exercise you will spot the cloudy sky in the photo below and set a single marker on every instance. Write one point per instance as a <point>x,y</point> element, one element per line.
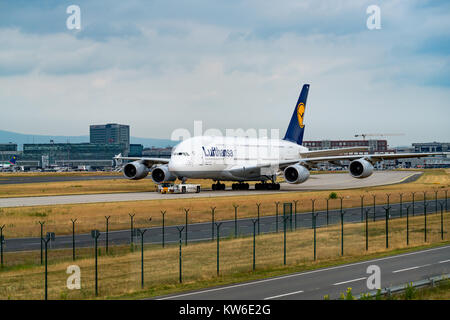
<point>160,65</point>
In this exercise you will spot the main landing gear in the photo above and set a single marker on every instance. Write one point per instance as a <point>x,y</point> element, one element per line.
<point>218,186</point>
<point>240,186</point>
<point>267,186</point>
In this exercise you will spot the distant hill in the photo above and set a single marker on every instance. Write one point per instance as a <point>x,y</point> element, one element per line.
<point>20,139</point>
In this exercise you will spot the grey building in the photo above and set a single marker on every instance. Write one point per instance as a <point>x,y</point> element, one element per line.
<point>8,146</point>
<point>432,147</point>
<point>111,133</point>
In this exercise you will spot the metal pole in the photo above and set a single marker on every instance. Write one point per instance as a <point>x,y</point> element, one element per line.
<point>284,222</point>
<point>235,220</point>
<point>386,209</point>
<point>254,242</point>
<point>362,208</point>
<point>413,207</point>
<point>436,201</point>
<point>401,205</point>
<point>212,222</point>
<point>107,234</point>
<point>186,227</point>
<point>407,225</point>
<point>180,230</point>
<point>73,238</point>
<point>42,231</point>
<point>218,239</point>
<point>312,210</point>
<point>163,227</point>
<point>425,220</point>
<point>446,208</point>
<point>96,267</point>
<point>131,227</point>
<point>327,210</point>
<point>276,215</point>
<point>1,245</point>
<point>258,205</point>
<point>374,209</point>
<point>46,270</point>
<point>142,232</point>
<point>342,229</point>
<point>442,220</point>
<point>295,214</point>
<point>314,226</point>
<point>367,229</point>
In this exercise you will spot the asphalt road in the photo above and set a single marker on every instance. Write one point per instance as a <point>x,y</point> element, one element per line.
<point>203,231</point>
<point>316,182</point>
<point>395,270</point>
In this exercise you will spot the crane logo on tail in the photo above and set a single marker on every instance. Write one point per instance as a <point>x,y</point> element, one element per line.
<point>300,114</point>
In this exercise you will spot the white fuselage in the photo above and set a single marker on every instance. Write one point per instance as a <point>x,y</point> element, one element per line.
<point>231,158</point>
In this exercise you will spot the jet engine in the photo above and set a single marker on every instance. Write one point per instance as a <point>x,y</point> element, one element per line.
<point>360,168</point>
<point>135,170</point>
<point>162,174</point>
<point>296,174</point>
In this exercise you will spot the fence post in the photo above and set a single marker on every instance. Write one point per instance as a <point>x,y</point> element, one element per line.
<point>367,229</point>
<point>2,240</point>
<point>73,238</point>
<point>42,239</point>
<point>186,211</point>
<point>218,239</point>
<point>374,209</point>
<point>314,216</point>
<point>413,206</point>
<point>285,218</point>
<point>254,242</point>
<point>312,211</point>
<point>276,215</point>
<point>213,209</point>
<point>235,220</point>
<point>386,209</point>
<point>425,205</point>
<point>342,228</point>
<point>442,220</point>
<point>436,201</point>
<point>401,205</point>
<point>141,233</point>
<point>50,237</point>
<point>131,228</point>
<point>95,234</point>
<point>163,213</point>
<point>258,205</point>
<point>107,233</point>
<point>327,210</point>
<point>180,230</point>
<point>295,213</point>
<point>362,207</point>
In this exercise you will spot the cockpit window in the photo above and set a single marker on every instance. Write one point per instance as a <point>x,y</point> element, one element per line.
<point>181,154</point>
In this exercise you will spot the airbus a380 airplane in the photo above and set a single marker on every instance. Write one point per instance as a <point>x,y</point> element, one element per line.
<point>242,159</point>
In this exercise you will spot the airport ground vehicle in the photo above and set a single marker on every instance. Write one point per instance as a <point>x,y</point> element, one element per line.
<point>178,188</point>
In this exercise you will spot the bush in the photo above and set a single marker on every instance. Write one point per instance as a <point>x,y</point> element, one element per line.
<point>410,292</point>
<point>333,195</point>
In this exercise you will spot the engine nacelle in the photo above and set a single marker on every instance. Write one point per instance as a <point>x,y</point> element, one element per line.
<point>360,168</point>
<point>162,174</point>
<point>296,174</point>
<point>135,170</point>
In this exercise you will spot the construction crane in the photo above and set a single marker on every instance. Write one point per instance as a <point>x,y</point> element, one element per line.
<point>364,135</point>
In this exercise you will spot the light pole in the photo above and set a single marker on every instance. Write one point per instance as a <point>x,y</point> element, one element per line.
<point>50,237</point>
<point>141,232</point>
<point>95,234</point>
<point>73,238</point>
<point>107,234</point>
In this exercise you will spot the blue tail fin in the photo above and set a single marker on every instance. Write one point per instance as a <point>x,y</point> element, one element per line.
<point>296,127</point>
<point>13,160</point>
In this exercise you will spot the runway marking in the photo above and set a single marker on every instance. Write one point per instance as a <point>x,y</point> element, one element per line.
<point>412,268</point>
<point>301,274</point>
<point>444,261</point>
<point>354,280</point>
<point>283,295</point>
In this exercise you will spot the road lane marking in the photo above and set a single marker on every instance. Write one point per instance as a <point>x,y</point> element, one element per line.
<point>411,268</point>
<point>283,295</point>
<point>444,261</point>
<point>348,281</point>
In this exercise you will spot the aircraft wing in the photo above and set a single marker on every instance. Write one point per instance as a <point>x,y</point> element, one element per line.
<point>369,157</point>
<point>333,152</point>
<point>144,160</point>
